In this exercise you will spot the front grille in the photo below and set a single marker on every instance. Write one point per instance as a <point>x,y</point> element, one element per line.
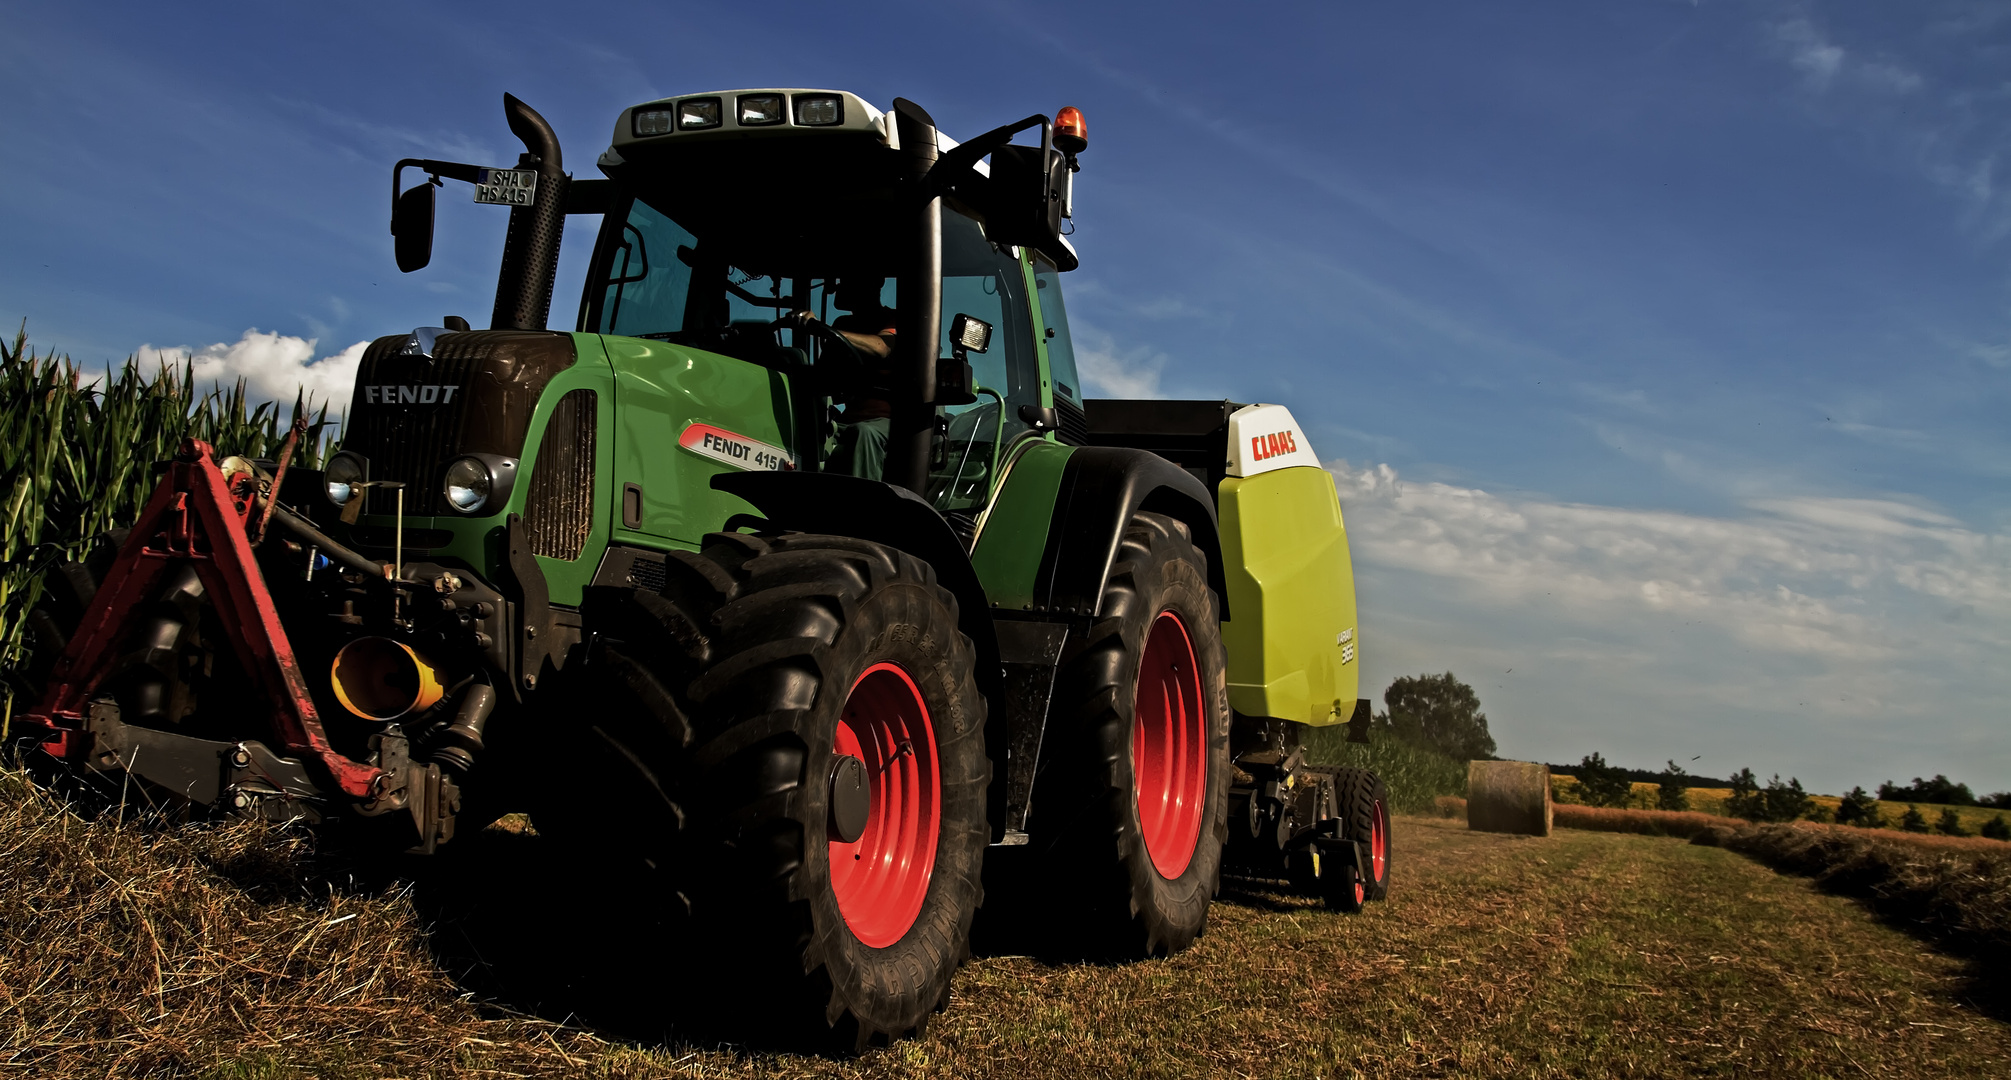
<point>559,512</point>
<point>411,415</point>
<point>1074,425</point>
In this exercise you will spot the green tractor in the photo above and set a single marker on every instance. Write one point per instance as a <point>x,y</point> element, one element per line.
<point>799,584</point>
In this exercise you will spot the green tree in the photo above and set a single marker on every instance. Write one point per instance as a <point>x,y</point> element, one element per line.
<point>1673,794</point>
<point>1786,802</point>
<point>1440,711</point>
<point>1950,823</point>
<point>1938,790</point>
<point>1602,784</point>
<point>1858,808</point>
<point>1997,829</point>
<point>1912,821</point>
<point>1746,801</point>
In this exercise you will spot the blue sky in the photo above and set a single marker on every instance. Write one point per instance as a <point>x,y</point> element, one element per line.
<point>1661,351</point>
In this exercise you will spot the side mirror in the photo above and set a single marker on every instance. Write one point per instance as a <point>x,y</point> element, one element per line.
<point>1027,185</point>
<point>412,227</point>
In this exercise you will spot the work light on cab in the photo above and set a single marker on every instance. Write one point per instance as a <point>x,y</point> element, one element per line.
<point>819,110</point>
<point>1070,136</point>
<point>653,121</point>
<point>696,113</point>
<point>760,110</point>
<point>345,471</point>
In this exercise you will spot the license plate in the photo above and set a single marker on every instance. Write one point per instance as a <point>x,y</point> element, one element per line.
<point>507,187</point>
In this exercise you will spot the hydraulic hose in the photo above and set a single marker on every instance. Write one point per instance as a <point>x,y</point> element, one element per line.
<point>305,532</point>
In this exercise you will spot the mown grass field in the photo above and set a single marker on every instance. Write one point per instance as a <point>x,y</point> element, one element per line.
<point>220,953</point>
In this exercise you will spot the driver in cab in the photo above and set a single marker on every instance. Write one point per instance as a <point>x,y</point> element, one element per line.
<point>861,447</point>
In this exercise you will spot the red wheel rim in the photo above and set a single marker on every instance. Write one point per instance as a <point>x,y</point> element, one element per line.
<point>1379,842</point>
<point>1169,747</point>
<point>881,878</point>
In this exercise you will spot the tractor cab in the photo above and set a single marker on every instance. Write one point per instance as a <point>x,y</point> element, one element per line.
<point>730,214</point>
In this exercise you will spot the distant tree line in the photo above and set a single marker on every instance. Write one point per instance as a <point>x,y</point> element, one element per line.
<point>1603,784</point>
<point>1646,776</point>
<point>1439,714</point>
<point>1941,790</point>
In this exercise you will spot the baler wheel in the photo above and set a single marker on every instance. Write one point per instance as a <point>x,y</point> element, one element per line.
<point>770,673</point>
<point>1138,800</point>
<point>1365,812</point>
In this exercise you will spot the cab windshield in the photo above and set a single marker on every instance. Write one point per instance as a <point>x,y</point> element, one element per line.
<point>704,283</point>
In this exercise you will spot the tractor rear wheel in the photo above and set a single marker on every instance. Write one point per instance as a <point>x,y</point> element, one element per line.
<point>1138,804</point>
<point>793,734</point>
<point>1365,814</point>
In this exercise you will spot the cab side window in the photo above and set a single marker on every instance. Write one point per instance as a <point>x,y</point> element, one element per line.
<point>646,282</point>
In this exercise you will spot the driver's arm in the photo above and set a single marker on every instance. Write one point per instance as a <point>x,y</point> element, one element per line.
<point>879,346</point>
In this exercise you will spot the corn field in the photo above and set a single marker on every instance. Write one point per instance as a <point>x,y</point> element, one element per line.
<point>1416,774</point>
<point>77,459</point>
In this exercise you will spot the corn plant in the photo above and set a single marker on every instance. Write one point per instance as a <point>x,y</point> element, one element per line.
<point>1416,773</point>
<point>78,457</point>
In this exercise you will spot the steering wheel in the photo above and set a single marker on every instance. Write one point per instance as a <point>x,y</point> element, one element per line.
<point>858,370</point>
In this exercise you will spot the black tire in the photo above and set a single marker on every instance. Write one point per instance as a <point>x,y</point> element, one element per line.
<point>1365,814</point>
<point>1339,885</point>
<point>67,591</point>
<point>1105,893</point>
<point>718,710</point>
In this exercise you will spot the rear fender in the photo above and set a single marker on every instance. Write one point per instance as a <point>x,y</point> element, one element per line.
<point>1101,488</point>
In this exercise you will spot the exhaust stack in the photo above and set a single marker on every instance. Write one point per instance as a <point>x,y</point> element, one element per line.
<point>531,250</point>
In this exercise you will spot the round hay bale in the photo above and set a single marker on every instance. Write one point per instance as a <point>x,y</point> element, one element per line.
<point>1508,797</point>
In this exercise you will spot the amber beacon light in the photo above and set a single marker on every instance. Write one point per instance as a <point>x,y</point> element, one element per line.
<point>1070,136</point>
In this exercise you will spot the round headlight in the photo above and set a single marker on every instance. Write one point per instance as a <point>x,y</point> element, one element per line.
<point>344,472</point>
<point>467,485</point>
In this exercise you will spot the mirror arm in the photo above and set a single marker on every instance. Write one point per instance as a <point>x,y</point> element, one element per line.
<point>959,160</point>
<point>434,170</point>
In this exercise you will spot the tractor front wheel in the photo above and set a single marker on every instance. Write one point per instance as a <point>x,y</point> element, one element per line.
<point>1138,805</point>
<point>797,740</point>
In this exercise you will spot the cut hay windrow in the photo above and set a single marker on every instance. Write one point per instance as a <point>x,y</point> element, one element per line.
<point>1955,890</point>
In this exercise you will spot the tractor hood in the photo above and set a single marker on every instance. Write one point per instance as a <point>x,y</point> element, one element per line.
<point>426,398</point>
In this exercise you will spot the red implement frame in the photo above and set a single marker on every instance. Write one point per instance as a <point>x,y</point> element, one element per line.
<point>193,517</point>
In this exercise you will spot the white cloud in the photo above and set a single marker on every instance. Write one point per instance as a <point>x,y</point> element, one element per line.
<point>1952,128</point>
<point>1823,62</point>
<point>1816,58</point>
<point>1795,575</point>
<point>274,366</point>
<point>1815,630</point>
<point>1110,370</point>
